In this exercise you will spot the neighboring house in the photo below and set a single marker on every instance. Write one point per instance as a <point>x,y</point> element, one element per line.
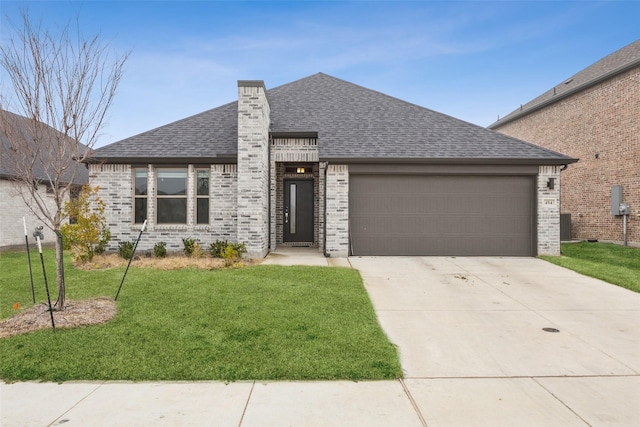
<point>12,206</point>
<point>325,163</point>
<point>594,116</point>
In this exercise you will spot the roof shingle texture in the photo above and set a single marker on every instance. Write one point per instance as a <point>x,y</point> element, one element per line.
<point>626,58</point>
<point>74,172</point>
<point>352,122</point>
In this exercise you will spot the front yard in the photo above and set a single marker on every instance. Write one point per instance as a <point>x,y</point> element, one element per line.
<point>615,264</point>
<point>253,323</point>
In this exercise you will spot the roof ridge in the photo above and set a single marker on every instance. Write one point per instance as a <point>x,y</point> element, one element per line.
<point>617,62</point>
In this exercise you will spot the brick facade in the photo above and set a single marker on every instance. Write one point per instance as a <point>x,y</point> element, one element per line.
<point>291,153</point>
<point>337,211</point>
<point>116,190</point>
<point>600,125</point>
<point>548,210</point>
<point>253,167</point>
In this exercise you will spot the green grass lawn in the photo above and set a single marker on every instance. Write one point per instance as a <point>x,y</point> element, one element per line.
<point>254,323</point>
<point>615,264</point>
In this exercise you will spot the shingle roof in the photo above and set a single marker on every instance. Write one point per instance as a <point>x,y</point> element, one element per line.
<point>353,123</point>
<point>21,127</point>
<point>616,63</point>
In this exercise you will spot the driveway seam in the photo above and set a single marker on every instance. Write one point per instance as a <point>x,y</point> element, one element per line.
<point>77,403</point>
<point>413,403</point>
<point>561,401</point>
<point>246,405</point>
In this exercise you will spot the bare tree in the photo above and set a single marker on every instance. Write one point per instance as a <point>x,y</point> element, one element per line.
<point>61,85</point>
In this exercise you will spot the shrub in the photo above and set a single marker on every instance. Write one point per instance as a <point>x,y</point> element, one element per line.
<point>125,249</point>
<point>190,245</point>
<point>240,248</point>
<point>217,248</point>
<point>160,249</point>
<point>197,251</point>
<point>86,233</point>
<point>230,255</point>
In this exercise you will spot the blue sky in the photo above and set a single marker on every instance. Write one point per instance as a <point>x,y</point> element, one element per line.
<point>473,60</point>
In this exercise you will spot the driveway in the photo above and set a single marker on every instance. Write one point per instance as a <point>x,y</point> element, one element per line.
<point>471,332</point>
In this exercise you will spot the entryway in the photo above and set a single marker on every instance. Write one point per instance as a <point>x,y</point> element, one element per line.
<point>298,211</point>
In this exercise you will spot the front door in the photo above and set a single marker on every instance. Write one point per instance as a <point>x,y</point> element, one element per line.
<point>298,210</point>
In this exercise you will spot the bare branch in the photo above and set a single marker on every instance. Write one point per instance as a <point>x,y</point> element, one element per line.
<point>61,87</point>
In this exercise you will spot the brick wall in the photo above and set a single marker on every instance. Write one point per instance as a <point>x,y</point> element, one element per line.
<point>116,190</point>
<point>337,210</point>
<point>548,210</point>
<point>601,127</point>
<point>253,168</point>
<point>294,152</point>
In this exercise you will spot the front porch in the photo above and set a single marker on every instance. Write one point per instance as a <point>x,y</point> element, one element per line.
<point>296,189</point>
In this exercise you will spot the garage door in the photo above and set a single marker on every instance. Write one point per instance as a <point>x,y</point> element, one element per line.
<point>442,215</point>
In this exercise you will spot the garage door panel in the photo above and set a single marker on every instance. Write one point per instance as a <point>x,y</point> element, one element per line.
<point>441,215</point>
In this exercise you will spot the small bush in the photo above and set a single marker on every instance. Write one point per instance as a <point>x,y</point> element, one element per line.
<point>125,249</point>
<point>87,232</point>
<point>190,245</point>
<point>240,248</point>
<point>160,249</point>
<point>217,248</point>
<point>197,251</point>
<point>226,250</point>
<point>230,255</point>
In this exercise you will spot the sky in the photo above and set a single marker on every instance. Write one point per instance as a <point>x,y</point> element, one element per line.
<point>474,60</point>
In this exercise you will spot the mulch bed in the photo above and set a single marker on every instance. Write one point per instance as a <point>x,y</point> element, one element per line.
<point>76,313</point>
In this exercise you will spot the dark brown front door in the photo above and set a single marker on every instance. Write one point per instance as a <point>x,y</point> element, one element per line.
<point>298,211</point>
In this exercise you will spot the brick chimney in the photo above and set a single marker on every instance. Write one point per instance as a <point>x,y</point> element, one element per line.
<point>253,167</point>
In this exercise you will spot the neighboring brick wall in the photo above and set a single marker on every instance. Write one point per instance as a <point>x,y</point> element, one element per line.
<point>253,168</point>
<point>116,190</point>
<point>337,210</point>
<point>13,209</point>
<point>601,127</point>
<point>548,211</point>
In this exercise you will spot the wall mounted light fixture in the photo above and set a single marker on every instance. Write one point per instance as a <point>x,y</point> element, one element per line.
<point>551,183</point>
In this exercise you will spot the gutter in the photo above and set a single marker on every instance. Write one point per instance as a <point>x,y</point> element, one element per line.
<point>454,161</point>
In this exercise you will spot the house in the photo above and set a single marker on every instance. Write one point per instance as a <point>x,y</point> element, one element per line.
<point>326,163</point>
<point>595,116</point>
<point>12,205</point>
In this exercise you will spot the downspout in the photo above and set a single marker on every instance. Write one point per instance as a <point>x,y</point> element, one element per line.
<point>324,235</point>
<point>269,192</point>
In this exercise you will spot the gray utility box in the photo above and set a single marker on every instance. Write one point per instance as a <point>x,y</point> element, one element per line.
<point>616,199</point>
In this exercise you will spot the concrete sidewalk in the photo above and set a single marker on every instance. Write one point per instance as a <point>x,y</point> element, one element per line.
<point>472,345</point>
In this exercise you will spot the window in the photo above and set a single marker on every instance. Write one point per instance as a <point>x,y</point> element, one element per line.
<point>171,196</point>
<point>202,196</point>
<point>140,196</point>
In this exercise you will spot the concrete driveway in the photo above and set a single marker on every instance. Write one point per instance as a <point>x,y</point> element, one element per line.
<point>470,332</point>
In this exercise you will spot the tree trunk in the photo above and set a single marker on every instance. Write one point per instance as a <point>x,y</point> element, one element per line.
<point>60,272</point>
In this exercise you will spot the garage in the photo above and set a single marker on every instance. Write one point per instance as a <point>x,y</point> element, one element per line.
<point>423,214</point>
